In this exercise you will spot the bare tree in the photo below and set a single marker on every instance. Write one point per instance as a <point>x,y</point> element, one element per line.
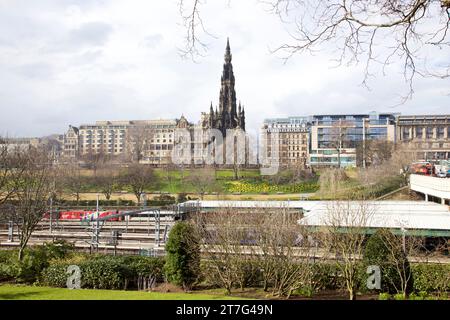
<point>373,32</point>
<point>373,152</point>
<point>138,141</point>
<point>33,190</point>
<point>73,180</point>
<point>343,234</point>
<point>12,166</point>
<point>393,162</point>
<point>282,252</point>
<point>203,180</point>
<point>139,177</point>
<point>338,139</point>
<point>221,233</point>
<point>241,244</point>
<point>108,180</point>
<point>95,159</point>
<point>400,247</point>
<point>331,181</point>
<point>192,20</point>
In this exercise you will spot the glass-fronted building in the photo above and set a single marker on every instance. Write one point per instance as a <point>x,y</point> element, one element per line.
<point>334,138</point>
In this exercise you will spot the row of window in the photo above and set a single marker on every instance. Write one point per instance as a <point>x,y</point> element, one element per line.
<point>418,132</point>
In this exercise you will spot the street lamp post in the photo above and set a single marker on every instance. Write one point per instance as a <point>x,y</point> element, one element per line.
<point>364,144</point>
<point>51,215</point>
<point>403,239</point>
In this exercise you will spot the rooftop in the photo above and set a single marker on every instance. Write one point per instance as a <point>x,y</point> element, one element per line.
<point>417,215</point>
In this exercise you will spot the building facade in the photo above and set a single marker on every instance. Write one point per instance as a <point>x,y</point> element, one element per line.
<point>144,141</point>
<point>52,144</point>
<point>70,146</point>
<point>427,135</point>
<point>334,138</point>
<point>292,145</point>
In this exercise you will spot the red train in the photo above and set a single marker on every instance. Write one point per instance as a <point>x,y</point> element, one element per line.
<point>82,215</point>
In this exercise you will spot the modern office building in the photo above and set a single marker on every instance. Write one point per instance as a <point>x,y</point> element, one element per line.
<point>427,135</point>
<point>324,140</point>
<point>334,138</point>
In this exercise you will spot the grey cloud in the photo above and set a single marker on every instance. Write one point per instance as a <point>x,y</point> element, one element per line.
<point>96,84</point>
<point>86,58</point>
<point>40,71</point>
<point>88,35</point>
<point>152,41</point>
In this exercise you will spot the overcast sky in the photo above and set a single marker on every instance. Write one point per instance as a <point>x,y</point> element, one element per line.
<point>74,62</point>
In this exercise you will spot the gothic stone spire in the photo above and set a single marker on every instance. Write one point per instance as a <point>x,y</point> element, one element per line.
<point>227,116</point>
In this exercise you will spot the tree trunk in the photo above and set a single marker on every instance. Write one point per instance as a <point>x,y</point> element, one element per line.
<point>339,158</point>
<point>138,197</point>
<point>21,249</point>
<point>351,293</point>
<point>236,171</point>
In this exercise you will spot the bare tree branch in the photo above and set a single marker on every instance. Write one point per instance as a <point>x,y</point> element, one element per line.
<point>379,32</point>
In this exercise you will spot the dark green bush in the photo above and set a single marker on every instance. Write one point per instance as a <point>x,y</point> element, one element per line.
<point>138,267</point>
<point>58,249</point>
<point>377,253</point>
<point>431,277</point>
<point>35,260</point>
<point>105,272</point>
<point>7,266</point>
<point>55,275</point>
<point>183,255</point>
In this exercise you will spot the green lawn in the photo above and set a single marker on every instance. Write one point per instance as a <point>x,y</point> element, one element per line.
<point>250,182</point>
<point>10,292</point>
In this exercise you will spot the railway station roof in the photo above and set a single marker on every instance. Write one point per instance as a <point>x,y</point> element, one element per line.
<point>427,218</point>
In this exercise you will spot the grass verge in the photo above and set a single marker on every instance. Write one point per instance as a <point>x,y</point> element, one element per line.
<point>11,292</point>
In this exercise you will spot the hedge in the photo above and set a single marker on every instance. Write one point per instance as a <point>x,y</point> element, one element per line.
<point>34,261</point>
<point>431,277</point>
<point>106,272</point>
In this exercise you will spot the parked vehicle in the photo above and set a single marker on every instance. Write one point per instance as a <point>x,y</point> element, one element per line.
<point>441,174</point>
<point>425,168</point>
<point>443,168</point>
